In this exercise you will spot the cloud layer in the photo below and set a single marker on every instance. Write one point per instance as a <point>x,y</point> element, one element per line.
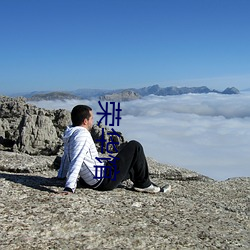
<point>208,133</point>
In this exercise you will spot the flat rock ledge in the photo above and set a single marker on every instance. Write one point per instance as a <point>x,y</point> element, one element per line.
<point>199,213</point>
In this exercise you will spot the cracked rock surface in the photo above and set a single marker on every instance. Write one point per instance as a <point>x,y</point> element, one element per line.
<point>199,213</point>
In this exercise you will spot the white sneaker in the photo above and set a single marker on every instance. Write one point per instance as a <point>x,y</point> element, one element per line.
<point>154,189</point>
<point>166,188</point>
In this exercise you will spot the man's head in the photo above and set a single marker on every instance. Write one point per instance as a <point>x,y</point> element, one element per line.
<point>81,115</point>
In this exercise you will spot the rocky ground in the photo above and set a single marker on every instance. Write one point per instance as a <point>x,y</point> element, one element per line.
<point>199,213</point>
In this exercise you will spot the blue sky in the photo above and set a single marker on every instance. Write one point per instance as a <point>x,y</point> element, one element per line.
<point>71,44</point>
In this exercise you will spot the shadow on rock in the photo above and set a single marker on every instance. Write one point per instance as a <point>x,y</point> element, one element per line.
<point>35,182</point>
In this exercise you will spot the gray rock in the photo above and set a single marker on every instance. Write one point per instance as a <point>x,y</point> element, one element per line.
<point>32,130</point>
<point>53,96</point>
<point>123,96</point>
<point>29,129</point>
<point>197,214</point>
<point>97,135</point>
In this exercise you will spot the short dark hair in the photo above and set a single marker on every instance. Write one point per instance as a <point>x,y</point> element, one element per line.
<point>79,113</point>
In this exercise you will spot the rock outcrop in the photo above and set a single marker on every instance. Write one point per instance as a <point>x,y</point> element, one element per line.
<point>32,130</point>
<point>28,129</point>
<point>126,95</point>
<point>53,96</point>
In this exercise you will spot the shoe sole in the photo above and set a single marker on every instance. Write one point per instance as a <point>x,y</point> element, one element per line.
<point>141,190</point>
<point>164,189</point>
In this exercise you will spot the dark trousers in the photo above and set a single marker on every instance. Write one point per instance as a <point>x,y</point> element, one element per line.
<point>130,163</point>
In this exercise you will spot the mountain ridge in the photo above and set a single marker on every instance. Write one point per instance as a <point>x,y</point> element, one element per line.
<point>89,93</point>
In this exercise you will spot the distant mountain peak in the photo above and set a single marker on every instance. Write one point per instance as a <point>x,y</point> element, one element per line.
<point>53,96</point>
<point>125,95</point>
<point>230,91</point>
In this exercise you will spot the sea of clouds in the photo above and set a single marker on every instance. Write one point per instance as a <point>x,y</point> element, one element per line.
<point>207,133</point>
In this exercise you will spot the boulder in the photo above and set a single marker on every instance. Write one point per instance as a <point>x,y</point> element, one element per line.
<point>36,131</point>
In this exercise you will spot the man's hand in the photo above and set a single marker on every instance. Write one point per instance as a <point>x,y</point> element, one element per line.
<point>66,191</point>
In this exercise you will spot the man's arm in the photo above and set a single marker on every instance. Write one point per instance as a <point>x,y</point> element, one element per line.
<point>77,149</point>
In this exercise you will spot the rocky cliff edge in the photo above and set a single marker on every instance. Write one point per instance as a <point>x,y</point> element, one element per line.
<point>199,213</point>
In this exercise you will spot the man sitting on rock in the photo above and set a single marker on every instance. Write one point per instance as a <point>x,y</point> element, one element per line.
<point>81,158</point>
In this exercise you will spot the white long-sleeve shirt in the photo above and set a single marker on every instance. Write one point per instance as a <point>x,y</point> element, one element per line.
<point>79,158</point>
